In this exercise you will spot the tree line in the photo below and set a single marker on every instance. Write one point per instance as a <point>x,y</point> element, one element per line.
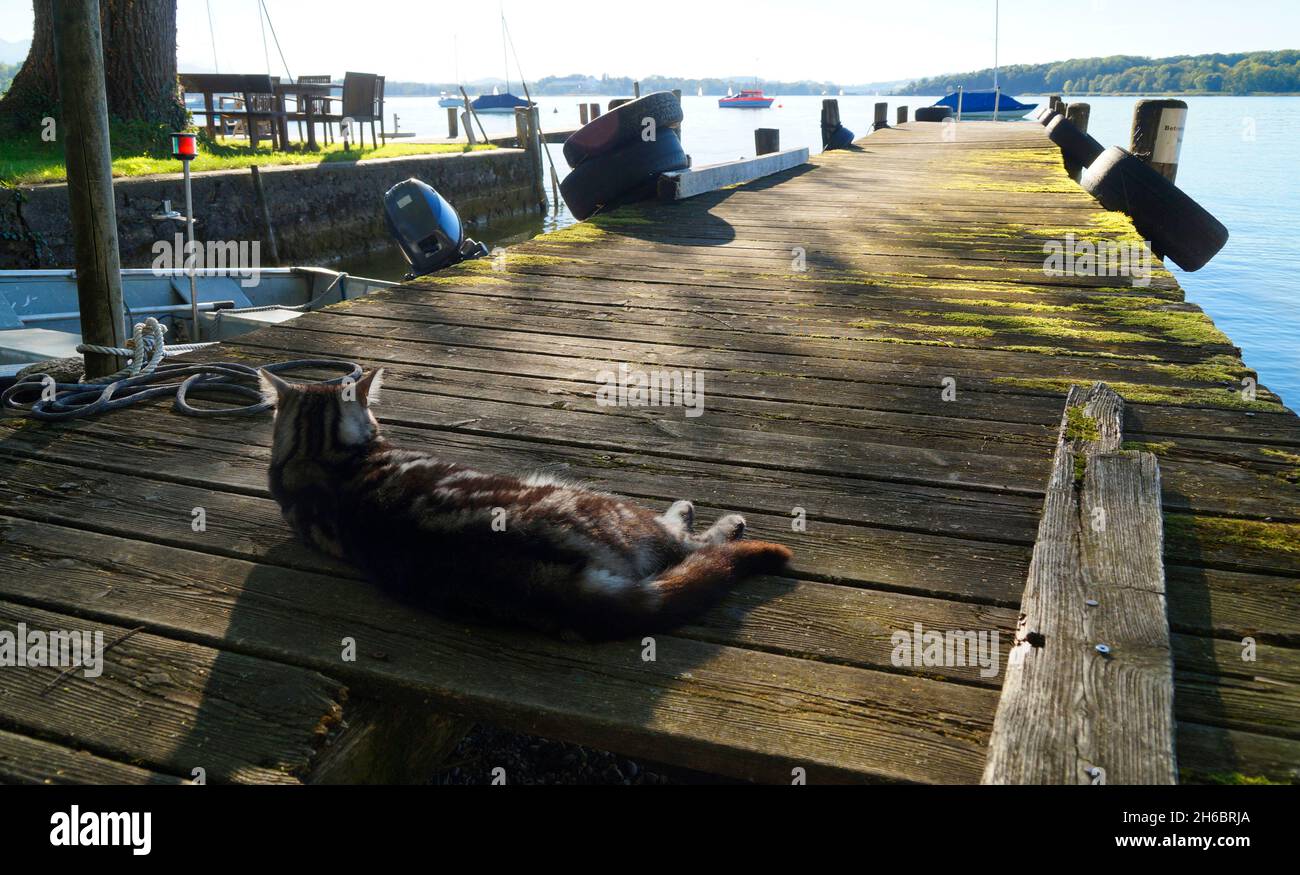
<point>578,83</point>
<point>1237,73</point>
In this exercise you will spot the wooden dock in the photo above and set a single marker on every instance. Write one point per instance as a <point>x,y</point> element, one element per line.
<point>882,354</point>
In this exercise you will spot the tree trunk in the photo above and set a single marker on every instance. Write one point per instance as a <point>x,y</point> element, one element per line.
<point>139,67</point>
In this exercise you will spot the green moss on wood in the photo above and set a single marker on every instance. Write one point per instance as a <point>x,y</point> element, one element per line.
<point>1079,426</point>
<point>1244,534</point>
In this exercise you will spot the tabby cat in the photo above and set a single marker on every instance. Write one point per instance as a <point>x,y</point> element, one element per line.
<point>534,551</point>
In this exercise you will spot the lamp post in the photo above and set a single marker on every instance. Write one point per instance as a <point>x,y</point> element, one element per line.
<point>185,148</point>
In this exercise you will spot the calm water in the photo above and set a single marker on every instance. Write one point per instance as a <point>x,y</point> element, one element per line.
<point>1240,157</point>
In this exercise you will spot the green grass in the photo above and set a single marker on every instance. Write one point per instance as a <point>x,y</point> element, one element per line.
<point>142,150</point>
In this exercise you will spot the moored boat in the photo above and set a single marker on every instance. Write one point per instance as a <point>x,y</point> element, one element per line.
<point>986,105</point>
<point>39,318</point>
<point>749,98</point>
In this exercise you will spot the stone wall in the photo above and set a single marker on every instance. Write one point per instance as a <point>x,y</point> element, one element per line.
<point>319,212</point>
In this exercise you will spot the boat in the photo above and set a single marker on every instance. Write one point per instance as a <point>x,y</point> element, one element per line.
<point>981,105</point>
<point>498,103</point>
<point>748,98</point>
<point>448,100</point>
<point>39,319</point>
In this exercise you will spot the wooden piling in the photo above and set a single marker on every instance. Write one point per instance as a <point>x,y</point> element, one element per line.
<point>79,59</point>
<point>882,117</point>
<point>528,134</point>
<point>636,89</point>
<point>595,111</point>
<point>766,140</point>
<point>902,115</point>
<point>1157,136</point>
<point>583,117</point>
<point>264,209</point>
<point>830,119</point>
<point>1077,114</point>
<point>452,130</point>
<point>1054,102</point>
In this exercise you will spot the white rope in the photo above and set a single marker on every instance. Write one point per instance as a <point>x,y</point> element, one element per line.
<point>144,351</point>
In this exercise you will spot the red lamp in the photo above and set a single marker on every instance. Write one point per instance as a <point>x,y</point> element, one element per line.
<point>185,147</point>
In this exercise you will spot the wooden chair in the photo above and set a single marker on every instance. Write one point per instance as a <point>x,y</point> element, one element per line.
<point>247,104</point>
<point>363,102</point>
<point>320,106</point>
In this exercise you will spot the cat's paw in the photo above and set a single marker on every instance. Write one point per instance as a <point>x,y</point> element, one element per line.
<point>683,512</point>
<point>728,528</point>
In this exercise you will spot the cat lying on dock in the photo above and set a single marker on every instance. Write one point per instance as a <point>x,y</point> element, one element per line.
<point>534,551</point>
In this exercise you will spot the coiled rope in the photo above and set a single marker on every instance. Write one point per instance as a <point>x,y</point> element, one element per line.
<point>145,376</point>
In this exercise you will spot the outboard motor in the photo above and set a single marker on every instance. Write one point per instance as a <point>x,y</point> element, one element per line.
<point>427,228</point>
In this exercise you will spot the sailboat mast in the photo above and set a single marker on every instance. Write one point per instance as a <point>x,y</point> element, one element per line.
<point>996,28</point>
<point>505,59</point>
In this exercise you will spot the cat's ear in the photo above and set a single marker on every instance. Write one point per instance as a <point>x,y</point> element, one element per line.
<point>272,386</point>
<point>368,387</point>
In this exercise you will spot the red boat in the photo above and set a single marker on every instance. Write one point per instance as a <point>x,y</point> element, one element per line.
<point>750,98</point>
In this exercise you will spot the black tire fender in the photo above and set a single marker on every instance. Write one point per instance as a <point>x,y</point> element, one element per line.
<point>1177,226</point>
<point>1076,145</point>
<point>622,124</point>
<point>628,174</point>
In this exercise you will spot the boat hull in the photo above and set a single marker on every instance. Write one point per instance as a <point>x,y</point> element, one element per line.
<point>762,103</point>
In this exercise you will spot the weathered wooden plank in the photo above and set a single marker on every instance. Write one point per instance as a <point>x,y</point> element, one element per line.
<point>739,712</point>
<point>1088,694</point>
<point>26,760</point>
<point>682,184</point>
<point>169,706</point>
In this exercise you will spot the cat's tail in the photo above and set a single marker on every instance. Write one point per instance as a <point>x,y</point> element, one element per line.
<point>702,578</point>
<point>676,594</point>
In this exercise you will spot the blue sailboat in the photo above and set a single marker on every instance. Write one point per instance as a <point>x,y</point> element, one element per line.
<point>986,105</point>
<point>494,102</point>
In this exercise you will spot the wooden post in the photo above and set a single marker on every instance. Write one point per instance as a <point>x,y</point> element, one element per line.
<point>79,59</point>
<point>452,130</point>
<point>830,119</point>
<point>766,140</point>
<point>595,111</point>
<point>1077,114</point>
<point>636,90</point>
<point>528,127</point>
<point>1054,103</point>
<point>882,117</point>
<point>961,92</point>
<point>582,114</point>
<point>1158,134</point>
<point>469,127</point>
<point>259,193</point>
<point>902,115</point>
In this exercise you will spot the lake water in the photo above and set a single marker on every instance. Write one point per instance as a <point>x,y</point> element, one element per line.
<point>1239,160</point>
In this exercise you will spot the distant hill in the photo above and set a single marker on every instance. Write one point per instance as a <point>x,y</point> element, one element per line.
<point>579,83</point>
<point>1237,73</point>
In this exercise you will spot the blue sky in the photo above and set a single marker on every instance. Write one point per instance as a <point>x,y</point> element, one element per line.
<point>838,40</point>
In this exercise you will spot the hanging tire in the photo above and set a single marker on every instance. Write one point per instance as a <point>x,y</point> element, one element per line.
<point>622,124</point>
<point>622,176</point>
<point>1177,226</point>
<point>1046,116</point>
<point>1075,145</point>
<point>933,113</point>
